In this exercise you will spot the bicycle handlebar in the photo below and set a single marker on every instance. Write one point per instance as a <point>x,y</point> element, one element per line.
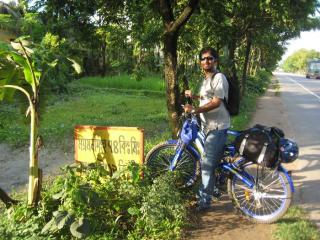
<point>188,100</point>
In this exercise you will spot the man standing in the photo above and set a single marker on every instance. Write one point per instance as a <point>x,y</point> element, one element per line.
<point>215,120</point>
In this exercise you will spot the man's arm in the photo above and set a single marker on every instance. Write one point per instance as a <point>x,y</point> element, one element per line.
<point>214,103</point>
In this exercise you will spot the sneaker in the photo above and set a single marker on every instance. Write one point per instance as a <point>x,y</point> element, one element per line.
<point>203,207</point>
<point>216,195</point>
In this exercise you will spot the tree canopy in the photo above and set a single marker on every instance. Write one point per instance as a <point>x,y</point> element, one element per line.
<point>159,36</point>
<point>297,62</point>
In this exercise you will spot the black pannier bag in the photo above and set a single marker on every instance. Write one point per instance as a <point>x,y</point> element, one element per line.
<point>260,144</point>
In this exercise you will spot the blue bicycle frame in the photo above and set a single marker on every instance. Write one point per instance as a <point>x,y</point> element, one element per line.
<point>192,139</point>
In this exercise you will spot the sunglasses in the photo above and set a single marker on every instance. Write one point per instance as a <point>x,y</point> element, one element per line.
<point>207,58</point>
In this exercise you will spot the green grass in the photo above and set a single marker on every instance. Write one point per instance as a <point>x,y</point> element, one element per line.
<point>295,226</point>
<point>153,83</point>
<point>87,108</point>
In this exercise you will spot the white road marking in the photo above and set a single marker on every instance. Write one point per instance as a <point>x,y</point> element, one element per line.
<point>312,93</point>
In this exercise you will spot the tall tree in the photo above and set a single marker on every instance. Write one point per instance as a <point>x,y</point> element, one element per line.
<point>174,16</point>
<point>172,26</point>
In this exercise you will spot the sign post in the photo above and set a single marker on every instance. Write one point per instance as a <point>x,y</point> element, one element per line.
<point>114,146</point>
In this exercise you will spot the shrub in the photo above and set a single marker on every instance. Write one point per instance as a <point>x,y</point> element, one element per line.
<point>258,84</point>
<point>163,211</point>
<point>88,202</point>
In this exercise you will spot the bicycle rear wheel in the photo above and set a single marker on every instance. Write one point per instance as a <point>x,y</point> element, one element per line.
<point>159,158</point>
<point>268,200</point>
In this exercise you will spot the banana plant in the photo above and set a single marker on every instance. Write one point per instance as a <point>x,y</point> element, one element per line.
<point>18,72</point>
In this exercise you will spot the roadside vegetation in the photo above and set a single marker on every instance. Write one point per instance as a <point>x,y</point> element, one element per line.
<point>296,226</point>
<point>86,202</point>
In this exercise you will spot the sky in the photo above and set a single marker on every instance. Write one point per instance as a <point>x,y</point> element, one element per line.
<point>307,40</point>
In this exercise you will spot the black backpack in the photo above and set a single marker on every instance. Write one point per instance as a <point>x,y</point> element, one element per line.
<point>233,102</point>
<point>260,144</point>
<point>232,105</point>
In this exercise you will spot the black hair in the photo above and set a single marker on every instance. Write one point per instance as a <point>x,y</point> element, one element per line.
<point>210,50</point>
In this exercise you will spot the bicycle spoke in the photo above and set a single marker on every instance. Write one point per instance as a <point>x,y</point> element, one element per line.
<point>159,162</point>
<point>268,199</point>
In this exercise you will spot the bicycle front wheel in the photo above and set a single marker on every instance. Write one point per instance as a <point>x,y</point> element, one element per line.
<point>268,200</point>
<point>159,158</point>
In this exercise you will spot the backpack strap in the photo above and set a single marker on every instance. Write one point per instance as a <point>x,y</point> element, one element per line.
<point>263,152</point>
<point>243,144</point>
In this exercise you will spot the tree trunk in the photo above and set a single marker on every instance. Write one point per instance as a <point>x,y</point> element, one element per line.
<point>172,88</point>
<point>245,65</point>
<point>103,55</point>
<point>172,26</point>
<point>234,95</point>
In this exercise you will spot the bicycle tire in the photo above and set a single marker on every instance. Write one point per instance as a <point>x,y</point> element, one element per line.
<point>158,162</point>
<point>273,185</point>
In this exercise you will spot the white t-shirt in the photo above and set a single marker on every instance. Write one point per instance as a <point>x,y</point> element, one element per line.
<point>217,118</point>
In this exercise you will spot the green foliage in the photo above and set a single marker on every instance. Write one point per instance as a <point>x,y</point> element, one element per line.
<point>247,109</point>
<point>52,55</point>
<point>31,25</point>
<point>259,83</point>
<point>13,129</point>
<point>297,62</point>
<point>4,46</point>
<point>162,213</point>
<point>7,22</point>
<point>295,226</point>
<point>87,202</point>
<point>18,61</point>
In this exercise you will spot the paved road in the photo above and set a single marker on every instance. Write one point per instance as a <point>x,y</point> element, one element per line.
<point>301,99</point>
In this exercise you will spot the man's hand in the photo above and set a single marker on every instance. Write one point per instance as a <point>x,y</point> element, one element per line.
<point>188,108</point>
<point>188,93</point>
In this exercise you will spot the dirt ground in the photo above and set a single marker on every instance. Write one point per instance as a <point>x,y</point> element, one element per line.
<point>223,222</point>
<point>14,164</point>
<point>220,223</point>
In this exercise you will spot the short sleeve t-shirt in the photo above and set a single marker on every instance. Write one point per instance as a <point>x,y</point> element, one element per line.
<point>217,118</point>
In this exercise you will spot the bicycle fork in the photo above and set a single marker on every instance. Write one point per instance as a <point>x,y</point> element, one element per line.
<point>173,163</point>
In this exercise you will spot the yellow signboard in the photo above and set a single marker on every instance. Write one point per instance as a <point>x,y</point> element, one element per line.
<point>115,146</point>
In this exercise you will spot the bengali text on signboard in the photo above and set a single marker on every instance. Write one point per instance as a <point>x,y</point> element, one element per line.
<point>114,146</point>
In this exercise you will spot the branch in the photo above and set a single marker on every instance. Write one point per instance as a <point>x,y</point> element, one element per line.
<point>184,16</point>
<point>166,13</point>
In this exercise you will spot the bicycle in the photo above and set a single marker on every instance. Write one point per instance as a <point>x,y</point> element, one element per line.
<point>262,194</point>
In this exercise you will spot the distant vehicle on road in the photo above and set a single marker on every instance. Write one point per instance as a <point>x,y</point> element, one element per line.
<point>313,69</point>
